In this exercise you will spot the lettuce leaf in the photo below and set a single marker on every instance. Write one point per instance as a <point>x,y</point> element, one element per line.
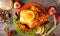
<point>15,21</point>
<point>20,31</point>
<point>47,26</point>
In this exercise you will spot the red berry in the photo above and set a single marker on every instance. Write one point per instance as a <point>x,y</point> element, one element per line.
<point>52,10</point>
<point>58,17</point>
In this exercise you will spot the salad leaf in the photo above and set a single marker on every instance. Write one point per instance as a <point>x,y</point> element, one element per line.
<point>47,26</point>
<point>15,21</point>
<point>20,31</point>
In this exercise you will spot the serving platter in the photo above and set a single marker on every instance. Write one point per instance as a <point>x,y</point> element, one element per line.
<point>52,25</point>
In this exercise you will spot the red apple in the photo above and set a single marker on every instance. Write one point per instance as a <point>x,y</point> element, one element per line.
<point>17,5</point>
<point>52,10</point>
<point>58,17</point>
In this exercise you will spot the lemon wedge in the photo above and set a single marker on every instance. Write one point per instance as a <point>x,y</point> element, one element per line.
<point>29,15</point>
<point>40,30</point>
